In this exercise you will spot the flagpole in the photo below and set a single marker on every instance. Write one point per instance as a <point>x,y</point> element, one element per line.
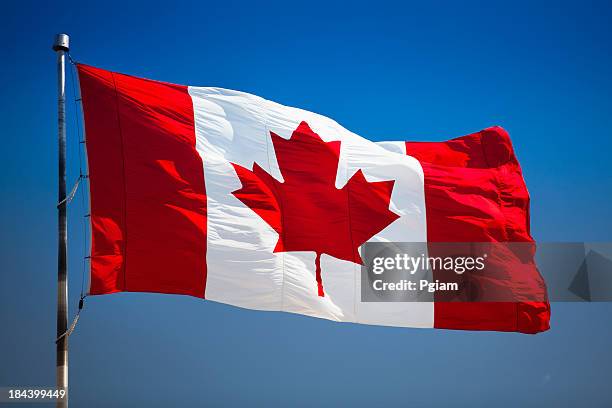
<point>61,46</point>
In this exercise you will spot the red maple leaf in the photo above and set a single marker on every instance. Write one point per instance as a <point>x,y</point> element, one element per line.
<point>307,210</point>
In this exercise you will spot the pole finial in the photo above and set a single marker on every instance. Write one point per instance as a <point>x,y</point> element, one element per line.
<point>62,42</point>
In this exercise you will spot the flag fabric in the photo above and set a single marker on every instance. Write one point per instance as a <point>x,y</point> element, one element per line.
<point>229,197</point>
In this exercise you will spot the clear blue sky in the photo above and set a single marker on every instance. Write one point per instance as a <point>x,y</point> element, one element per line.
<point>385,71</point>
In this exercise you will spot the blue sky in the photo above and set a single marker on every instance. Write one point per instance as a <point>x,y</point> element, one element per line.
<point>402,71</point>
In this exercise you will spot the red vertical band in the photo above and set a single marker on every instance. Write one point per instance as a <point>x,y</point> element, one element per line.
<point>475,192</point>
<point>148,200</point>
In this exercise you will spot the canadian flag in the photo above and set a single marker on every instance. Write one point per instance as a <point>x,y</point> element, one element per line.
<point>227,196</point>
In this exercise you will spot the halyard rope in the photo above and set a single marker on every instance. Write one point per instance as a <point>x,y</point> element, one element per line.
<point>71,195</point>
<point>68,332</point>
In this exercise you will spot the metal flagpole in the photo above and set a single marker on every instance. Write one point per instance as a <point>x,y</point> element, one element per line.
<point>61,46</point>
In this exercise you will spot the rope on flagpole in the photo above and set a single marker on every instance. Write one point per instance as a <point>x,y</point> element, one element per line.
<point>72,193</point>
<point>81,152</point>
<point>68,332</point>
<point>72,61</point>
